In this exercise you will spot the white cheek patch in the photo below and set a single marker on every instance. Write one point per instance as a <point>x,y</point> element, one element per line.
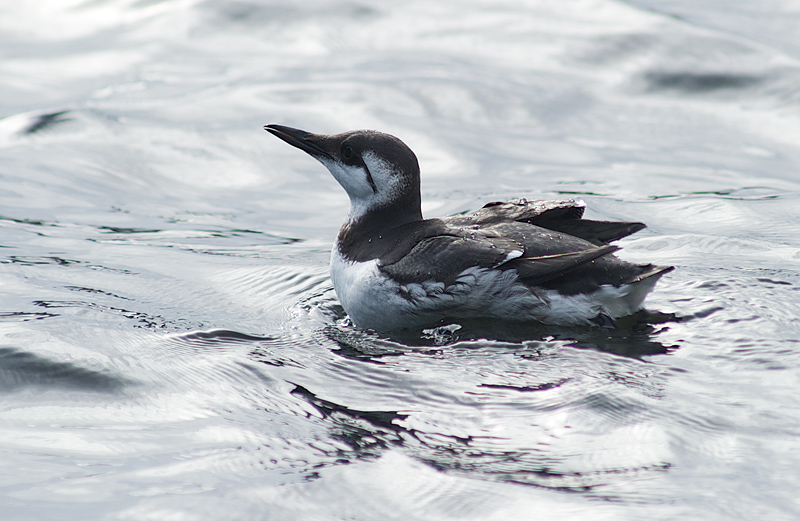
<point>355,182</point>
<point>386,180</point>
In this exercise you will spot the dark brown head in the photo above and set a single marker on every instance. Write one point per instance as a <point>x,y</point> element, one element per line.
<point>378,171</point>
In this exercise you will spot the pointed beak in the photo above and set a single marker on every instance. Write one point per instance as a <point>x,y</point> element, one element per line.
<point>305,141</point>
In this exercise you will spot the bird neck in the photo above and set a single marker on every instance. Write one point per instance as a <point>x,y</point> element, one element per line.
<point>363,238</point>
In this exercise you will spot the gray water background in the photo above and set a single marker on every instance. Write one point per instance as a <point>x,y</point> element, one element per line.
<point>171,344</point>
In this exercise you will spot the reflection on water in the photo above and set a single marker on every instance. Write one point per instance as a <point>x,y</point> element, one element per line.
<point>171,343</point>
<point>635,336</point>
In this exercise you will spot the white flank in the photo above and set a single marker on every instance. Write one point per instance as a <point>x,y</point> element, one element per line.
<point>374,301</point>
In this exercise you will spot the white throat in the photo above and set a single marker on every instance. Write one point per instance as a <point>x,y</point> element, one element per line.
<point>354,179</point>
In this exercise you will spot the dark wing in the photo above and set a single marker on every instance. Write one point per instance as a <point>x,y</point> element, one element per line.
<point>596,232</point>
<point>439,250</point>
<point>560,216</point>
<point>540,270</point>
<point>444,257</point>
<point>523,210</point>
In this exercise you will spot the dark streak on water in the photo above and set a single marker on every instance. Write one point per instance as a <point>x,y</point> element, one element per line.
<point>20,369</point>
<point>692,82</point>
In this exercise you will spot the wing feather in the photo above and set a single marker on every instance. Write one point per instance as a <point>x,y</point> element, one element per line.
<point>536,270</point>
<point>560,216</point>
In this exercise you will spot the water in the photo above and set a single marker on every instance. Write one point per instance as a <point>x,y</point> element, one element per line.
<point>171,344</point>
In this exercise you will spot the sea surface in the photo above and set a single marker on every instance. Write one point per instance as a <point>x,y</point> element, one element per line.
<point>171,347</point>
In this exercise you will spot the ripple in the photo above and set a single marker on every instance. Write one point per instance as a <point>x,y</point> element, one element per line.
<point>20,369</point>
<point>46,121</point>
<point>142,319</point>
<point>34,261</point>
<point>692,82</point>
<point>216,241</point>
<point>30,123</point>
<point>22,316</point>
<point>747,193</point>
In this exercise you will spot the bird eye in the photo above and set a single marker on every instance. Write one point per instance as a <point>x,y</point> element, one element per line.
<point>347,152</point>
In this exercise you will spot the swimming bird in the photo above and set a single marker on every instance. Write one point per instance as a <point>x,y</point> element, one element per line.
<point>517,260</point>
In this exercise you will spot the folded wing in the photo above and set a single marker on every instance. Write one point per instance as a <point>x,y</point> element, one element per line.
<point>560,216</point>
<point>445,257</point>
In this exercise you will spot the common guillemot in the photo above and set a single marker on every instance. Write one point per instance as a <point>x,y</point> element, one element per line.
<point>517,260</point>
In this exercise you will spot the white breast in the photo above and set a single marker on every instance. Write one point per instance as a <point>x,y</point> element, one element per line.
<point>358,286</point>
<point>374,301</point>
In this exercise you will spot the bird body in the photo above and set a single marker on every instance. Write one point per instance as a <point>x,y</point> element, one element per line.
<point>517,260</point>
